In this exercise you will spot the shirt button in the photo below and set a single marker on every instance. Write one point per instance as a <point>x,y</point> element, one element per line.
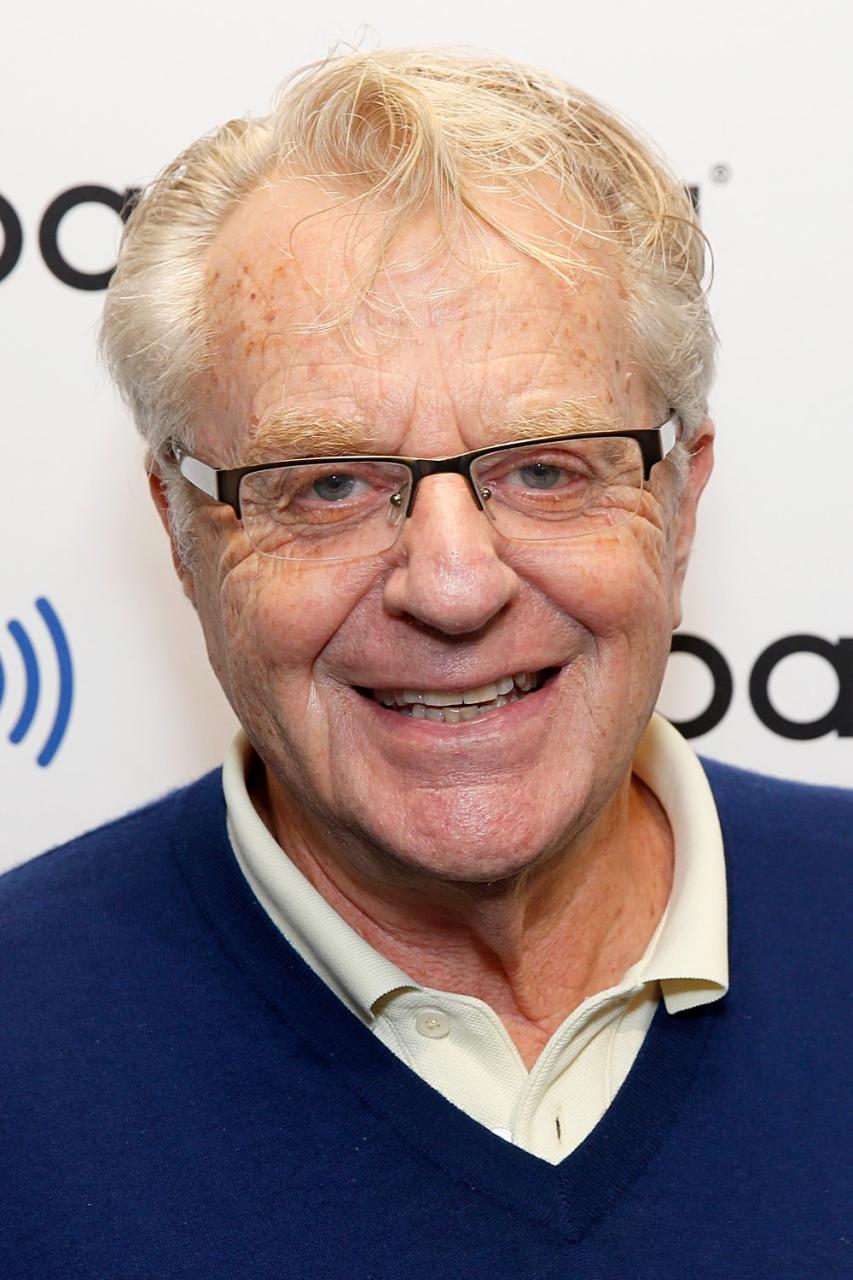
<point>432,1023</point>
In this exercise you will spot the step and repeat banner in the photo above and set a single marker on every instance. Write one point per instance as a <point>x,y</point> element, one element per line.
<point>106,699</point>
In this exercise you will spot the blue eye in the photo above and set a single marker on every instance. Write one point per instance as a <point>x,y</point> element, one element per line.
<point>335,487</point>
<point>539,475</point>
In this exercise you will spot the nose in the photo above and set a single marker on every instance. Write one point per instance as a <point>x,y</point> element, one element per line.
<point>449,573</point>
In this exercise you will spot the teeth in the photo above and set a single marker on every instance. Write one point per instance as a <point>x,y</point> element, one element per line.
<point>455,715</point>
<point>458,705</point>
<point>485,693</point>
<point>442,699</point>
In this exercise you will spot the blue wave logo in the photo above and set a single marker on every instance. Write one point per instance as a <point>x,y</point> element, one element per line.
<point>32,681</point>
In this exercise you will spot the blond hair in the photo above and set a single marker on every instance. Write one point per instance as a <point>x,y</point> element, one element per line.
<point>410,130</point>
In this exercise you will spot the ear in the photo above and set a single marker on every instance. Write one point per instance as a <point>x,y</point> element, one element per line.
<point>701,464</point>
<point>157,488</point>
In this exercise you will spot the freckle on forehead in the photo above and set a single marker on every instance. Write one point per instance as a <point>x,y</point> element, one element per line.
<point>259,295</point>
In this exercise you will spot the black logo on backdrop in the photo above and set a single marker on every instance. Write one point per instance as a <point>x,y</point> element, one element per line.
<point>838,719</point>
<point>121,203</point>
<point>13,238</point>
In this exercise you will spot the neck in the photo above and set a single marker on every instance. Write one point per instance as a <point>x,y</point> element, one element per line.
<point>534,946</point>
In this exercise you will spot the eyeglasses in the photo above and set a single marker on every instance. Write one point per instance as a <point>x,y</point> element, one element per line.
<point>345,507</point>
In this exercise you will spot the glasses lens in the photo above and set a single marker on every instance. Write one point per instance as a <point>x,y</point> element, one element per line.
<point>534,492</point>
<point>324,511</point>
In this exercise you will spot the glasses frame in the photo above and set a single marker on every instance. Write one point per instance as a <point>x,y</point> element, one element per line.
<point>223,483</point>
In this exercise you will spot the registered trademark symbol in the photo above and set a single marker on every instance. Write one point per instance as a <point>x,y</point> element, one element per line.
<point>721,173</point>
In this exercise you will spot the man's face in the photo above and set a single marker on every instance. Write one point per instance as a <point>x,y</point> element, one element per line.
<point>451,606</point>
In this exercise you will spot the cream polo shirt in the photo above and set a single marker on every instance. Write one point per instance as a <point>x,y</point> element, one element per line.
<point>457,1043</point>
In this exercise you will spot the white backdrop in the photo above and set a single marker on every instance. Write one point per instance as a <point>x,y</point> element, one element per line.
<point>752,104</point>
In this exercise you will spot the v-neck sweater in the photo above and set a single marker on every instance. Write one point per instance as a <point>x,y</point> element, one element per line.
<point>183,1096</point>
<point>456,1042</point>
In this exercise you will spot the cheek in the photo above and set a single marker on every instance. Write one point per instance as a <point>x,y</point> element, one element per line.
<point>276,619</point>
<point>613,587</point>
<point>618,594</point>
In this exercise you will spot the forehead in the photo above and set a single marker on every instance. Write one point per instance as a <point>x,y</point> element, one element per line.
<point>465,337</point>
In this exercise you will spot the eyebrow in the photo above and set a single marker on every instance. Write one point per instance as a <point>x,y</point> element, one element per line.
<point>297,433</point>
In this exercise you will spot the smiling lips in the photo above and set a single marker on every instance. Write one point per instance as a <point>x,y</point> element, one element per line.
<point>453,706</point>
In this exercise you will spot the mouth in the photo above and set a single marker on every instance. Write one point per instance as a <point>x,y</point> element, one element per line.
<point>457,706</point>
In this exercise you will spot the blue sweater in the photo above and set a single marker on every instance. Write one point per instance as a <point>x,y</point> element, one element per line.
<point>182,1097</point>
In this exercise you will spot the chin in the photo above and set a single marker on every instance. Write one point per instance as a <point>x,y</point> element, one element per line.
<point>469,846</point>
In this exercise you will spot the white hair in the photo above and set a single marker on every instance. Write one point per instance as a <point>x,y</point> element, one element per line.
<point>401,131</point>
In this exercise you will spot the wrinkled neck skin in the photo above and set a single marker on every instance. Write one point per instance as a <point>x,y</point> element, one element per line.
<point>533,945</point>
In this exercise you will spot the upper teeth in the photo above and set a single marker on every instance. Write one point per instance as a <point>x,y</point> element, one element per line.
<point>457,697</point>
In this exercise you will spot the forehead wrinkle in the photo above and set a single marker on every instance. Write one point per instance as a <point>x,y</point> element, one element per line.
<point>298,433</point>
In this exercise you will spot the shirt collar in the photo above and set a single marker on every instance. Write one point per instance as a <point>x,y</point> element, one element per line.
<point>687,953</point>
<point>357,973</point>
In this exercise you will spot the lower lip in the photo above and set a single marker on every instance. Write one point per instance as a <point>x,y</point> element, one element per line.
<point>511,716</point>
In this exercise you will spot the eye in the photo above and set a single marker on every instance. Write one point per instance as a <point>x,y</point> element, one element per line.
<point>337,486</point>
<point>542,475</point>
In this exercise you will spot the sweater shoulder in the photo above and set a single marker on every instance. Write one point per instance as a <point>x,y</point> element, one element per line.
<point>772,802</point>
<point>787,843</point>
<point>112,861</point>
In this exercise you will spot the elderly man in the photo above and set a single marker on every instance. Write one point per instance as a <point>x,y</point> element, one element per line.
<point>432,978</point>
